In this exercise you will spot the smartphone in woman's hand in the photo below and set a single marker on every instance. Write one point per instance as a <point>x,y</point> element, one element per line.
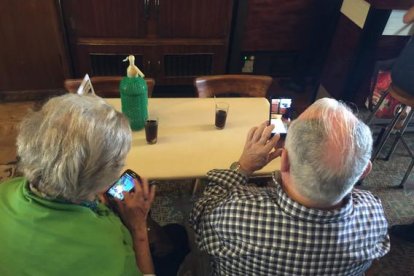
<point>124,184</point>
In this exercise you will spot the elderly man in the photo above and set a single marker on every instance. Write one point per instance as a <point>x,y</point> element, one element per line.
<point>312,221</point>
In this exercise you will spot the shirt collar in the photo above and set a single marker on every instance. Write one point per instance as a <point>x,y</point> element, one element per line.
<point>93,205</point>
<point>297,210</point>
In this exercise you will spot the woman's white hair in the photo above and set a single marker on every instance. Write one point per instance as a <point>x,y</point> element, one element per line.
<point>328,149</point>
<point>74,147</point>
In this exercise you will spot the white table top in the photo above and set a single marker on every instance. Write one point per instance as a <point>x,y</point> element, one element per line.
<point>188,144</point>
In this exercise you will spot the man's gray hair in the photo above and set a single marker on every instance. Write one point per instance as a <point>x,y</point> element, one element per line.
<point>73,147</point>
<point>328,150</point>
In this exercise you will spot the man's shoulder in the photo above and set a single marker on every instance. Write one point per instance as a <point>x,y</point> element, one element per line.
<point>363,197</point>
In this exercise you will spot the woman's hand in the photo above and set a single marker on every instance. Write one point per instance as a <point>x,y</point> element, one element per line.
<point>134,209</point>
<point>259,149</point>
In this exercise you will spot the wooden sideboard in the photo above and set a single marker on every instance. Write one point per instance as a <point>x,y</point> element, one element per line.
<point>173,40</point>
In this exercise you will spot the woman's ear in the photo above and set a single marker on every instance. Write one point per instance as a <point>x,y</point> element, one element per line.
<point>284,161</point>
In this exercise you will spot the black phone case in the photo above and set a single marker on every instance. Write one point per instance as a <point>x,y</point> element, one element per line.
<point>129,172</point>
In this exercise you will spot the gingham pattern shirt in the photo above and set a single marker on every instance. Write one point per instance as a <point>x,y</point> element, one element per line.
<point>250,230</point>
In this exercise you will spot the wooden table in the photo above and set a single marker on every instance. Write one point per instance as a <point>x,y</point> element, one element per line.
<point>188,144</point>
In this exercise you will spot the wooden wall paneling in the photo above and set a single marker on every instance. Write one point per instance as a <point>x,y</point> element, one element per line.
<point>194,19</point>
<point>341,57</point>
<point>32,52</point>
<point>277,25</point>
<point>105,18</point>
<point>322,26</point>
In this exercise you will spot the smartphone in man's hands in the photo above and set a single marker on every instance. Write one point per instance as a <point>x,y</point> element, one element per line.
<point>124,184</point>
<point>279,115</point>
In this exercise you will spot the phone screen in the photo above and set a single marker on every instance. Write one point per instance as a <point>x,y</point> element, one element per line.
<point>279,116</point>
<point>124,184</point>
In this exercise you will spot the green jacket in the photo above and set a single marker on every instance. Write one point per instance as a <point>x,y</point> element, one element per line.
<point>42,237</point>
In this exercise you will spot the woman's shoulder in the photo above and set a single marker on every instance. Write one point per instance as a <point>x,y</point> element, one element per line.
<point>13,180</point>
<point>12,185</point>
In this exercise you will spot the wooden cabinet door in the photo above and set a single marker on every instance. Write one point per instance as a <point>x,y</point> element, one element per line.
<point>106,60</point>
<point>105,18</point>
<point>32,54</point>
<point>180,64</point>
<point>193,19</point>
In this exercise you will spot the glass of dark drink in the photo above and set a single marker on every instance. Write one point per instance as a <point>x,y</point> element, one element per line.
<point>151,130</point>
<point>221,114</point>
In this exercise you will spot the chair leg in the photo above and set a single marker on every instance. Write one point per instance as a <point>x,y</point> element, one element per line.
<point>377,106</point>
<point>195,186</point>
<point>387,132</point>
<point>379,138</point>
<point>407,173</point>
<point>399,134</point>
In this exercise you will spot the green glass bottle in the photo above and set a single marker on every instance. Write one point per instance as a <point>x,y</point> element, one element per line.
<point>134,96</point>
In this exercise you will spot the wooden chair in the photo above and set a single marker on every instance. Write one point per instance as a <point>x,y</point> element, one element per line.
<point>105,86</point>
<point>228,85</point>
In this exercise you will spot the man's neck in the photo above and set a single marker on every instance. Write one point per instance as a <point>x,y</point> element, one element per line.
<point>296,196</point>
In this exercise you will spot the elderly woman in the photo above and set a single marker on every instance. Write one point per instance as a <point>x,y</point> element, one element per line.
<point>70,152</point>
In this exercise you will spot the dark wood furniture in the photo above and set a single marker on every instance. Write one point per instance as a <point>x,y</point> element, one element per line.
<point>244,85</point>
<point>107,86</point>
<point>173,40</point>
<point>32,50</point>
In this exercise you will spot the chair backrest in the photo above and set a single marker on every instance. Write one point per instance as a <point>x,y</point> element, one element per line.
<point>105,86</point>
<point>243,85</point>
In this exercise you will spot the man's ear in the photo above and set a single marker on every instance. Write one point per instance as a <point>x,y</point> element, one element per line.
<point>367,170</point>
<point>284,161</point>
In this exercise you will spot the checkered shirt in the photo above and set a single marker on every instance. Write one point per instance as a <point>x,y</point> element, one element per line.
<point>250,230</point>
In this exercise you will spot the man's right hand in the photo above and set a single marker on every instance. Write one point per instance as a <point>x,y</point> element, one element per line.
<point>259,149</point>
